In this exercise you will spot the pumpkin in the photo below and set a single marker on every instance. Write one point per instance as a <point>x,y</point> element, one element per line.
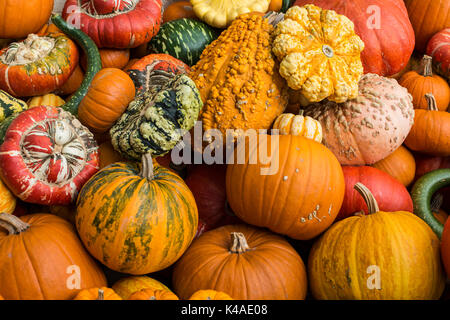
<point>149,212</point>
<point>47,156</point>
<point>37,65</point>
<point>279,5</point>
<point>389,192</point>
<point>111,58</point>
<point>207,183</point>
<point>383,26</point>
<point>340,267</point>
<point>158,118</point>
<point>426,163</point>
<point>184,39</point>
<point>427,17</point>
<point>52,264</point>
<point>50,100</point>
<point>150,294</point>
<point>102,293</point>
<point>436,204</point>
<point>107,154</point>
<point>73,83</point>
<point>10,106</point>
<point>178,10</point>
<point>370,127</point>
<point>322,64</point>
<point>108,97</point>
<point>210,295</point>
<point>212,260</point>
<point>139,20</point>
<point>299,125</point>
<point>430,133</point>
<point>439,49</point>
<point>154,64</point>
<point>22,17</point>
<point>298,191</point>
<point>400,164</point>
<point>125,287</point>
<point>424,81</point>
<point>7,199</point>
<point>238,78</point>
<point>220,13</point>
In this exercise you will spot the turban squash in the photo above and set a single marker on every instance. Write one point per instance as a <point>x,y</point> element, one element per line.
<point>342,267</point>
<point>369,128</point>
<point>319,53</point>
<point>136,219</point>
<point>237,76</point>
<point>383,26</point>
<point>212,260</point>
<point>139,20</point>
<point>43,248</point>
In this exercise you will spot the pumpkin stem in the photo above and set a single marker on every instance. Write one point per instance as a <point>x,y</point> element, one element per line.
<point>426,66</point>
<point>12,224</point>
<point>368,197</point>
<point>301,112</point>
<point>436,203</point>
<point>239,243</point>
<point>147,167</point>
<point>101,294</point>
<point>274,17</point>
<point>431,100</point>
<point>152,298</point>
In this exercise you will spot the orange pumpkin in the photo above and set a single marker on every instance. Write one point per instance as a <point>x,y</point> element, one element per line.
<point>125,287</point>
<point>430,133</point>
<point>7,199</point>
<point>210,295</point>
<point>107,154</point>
<point>102,293</point>
<point>111,58</point>
<point>424,81</point>
<point>150,294</point>
<point>108,97</point>
<point>73,83</point>
<point>400,164</point>
<point>178,10</point>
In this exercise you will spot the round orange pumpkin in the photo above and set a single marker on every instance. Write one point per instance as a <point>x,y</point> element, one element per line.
<point>125,287</point>
<point>102,293</point>
<point>424,81</point>
<point>111,58</point>
<point>7,199</point>
<point>108,97</point>
<point>49,262</point>
<point>178,10</point>
<point>210,295</point>
<point>299,195</point>
<point>400,164</point>
<point>244,262</point>
<point>150,294</point>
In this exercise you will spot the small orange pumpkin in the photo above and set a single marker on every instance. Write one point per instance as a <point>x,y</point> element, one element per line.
<point>151,294</point>
<point>111,58</point>
<point>210,295</point>
<point>7,199</point>
<point>102,293</point>
<point>178,10</point>
<point>400,164</point>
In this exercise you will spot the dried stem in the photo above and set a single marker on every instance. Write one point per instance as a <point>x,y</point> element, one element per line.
<point>431,100</point>
<point>147,166</point>
<point>239,243</point>
<point>368,197</point>
<point>12,224</point>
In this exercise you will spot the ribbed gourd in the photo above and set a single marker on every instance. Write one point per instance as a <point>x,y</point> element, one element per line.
<point>238,78</point>
<point>156,120</point>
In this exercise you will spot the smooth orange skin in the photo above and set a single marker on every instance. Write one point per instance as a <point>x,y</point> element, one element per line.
<point>210,295</point>
<point>178,10</point>
<point>400,164</point>
<point>125,287</point>
<point>151,294</point>
<point>111,58</point>
<point>92,294</point>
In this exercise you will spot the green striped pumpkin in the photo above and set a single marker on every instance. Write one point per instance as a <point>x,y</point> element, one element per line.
<point>184,39</point>
<point>136,219</point>
<point>152,122</point>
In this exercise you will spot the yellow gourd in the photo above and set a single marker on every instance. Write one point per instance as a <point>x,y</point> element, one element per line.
<point>319,53</point>
<point>299,125</point>
<point>51,100</point>
<point>7,199</point>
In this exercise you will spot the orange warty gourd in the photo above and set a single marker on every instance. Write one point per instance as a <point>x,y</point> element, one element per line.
<point>108,97</point>
<point>210,295</point>
<point>299,194</point>
<point>375,257</point>
<point>125,287</point>
<point>178,10</point>
<point>50,99</point>
<point>400,164</point>
<point>44,248</point>
<point>424,81</point>
<point>213,259</point>
<point>430,133</point>
<point>73,83</point>
<point>7,199</point>
<point>238,78</point>
<point>151,294</point>
<point>107,154</point>
<point>102,293</point>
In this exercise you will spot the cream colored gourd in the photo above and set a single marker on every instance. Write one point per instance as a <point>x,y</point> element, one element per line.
<point>299,125</point>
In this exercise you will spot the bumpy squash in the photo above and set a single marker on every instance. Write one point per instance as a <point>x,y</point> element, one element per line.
<point>319,53</point>
<point>298,125</point>
<point>157,119</point>
<point>51,100</point>
<point>238,78</point>
<point>10,105</point>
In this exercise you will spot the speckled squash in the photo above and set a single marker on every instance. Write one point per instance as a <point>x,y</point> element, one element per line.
<point>369,128</point>
<point>238,78</point>
<point>319,53</point>
<point>102,293</point>
<point>125,287</point>
<point>210,295</point>
<point>50,100</point>
<point>136,219</point>
<point>150,294</point>
<point>400,164</point>
<point>299,125</point>
<point>348,259</point>
<point>10,105</point>
<point>157,119</point>
<point>7,199</point>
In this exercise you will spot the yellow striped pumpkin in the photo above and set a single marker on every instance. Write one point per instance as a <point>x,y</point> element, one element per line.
<point>50,99</point>
<point>299,125</point>
<point>136,219</point>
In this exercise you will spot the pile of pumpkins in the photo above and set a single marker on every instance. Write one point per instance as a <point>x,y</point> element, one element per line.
<point>351,95</point>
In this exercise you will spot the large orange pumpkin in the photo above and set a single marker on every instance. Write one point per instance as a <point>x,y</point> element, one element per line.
<point>244,262</point>
<point>300,193</point>
<point>108,97</point>
<point>178,10</point>
<point>49,261</point>
<point>400,164</point>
